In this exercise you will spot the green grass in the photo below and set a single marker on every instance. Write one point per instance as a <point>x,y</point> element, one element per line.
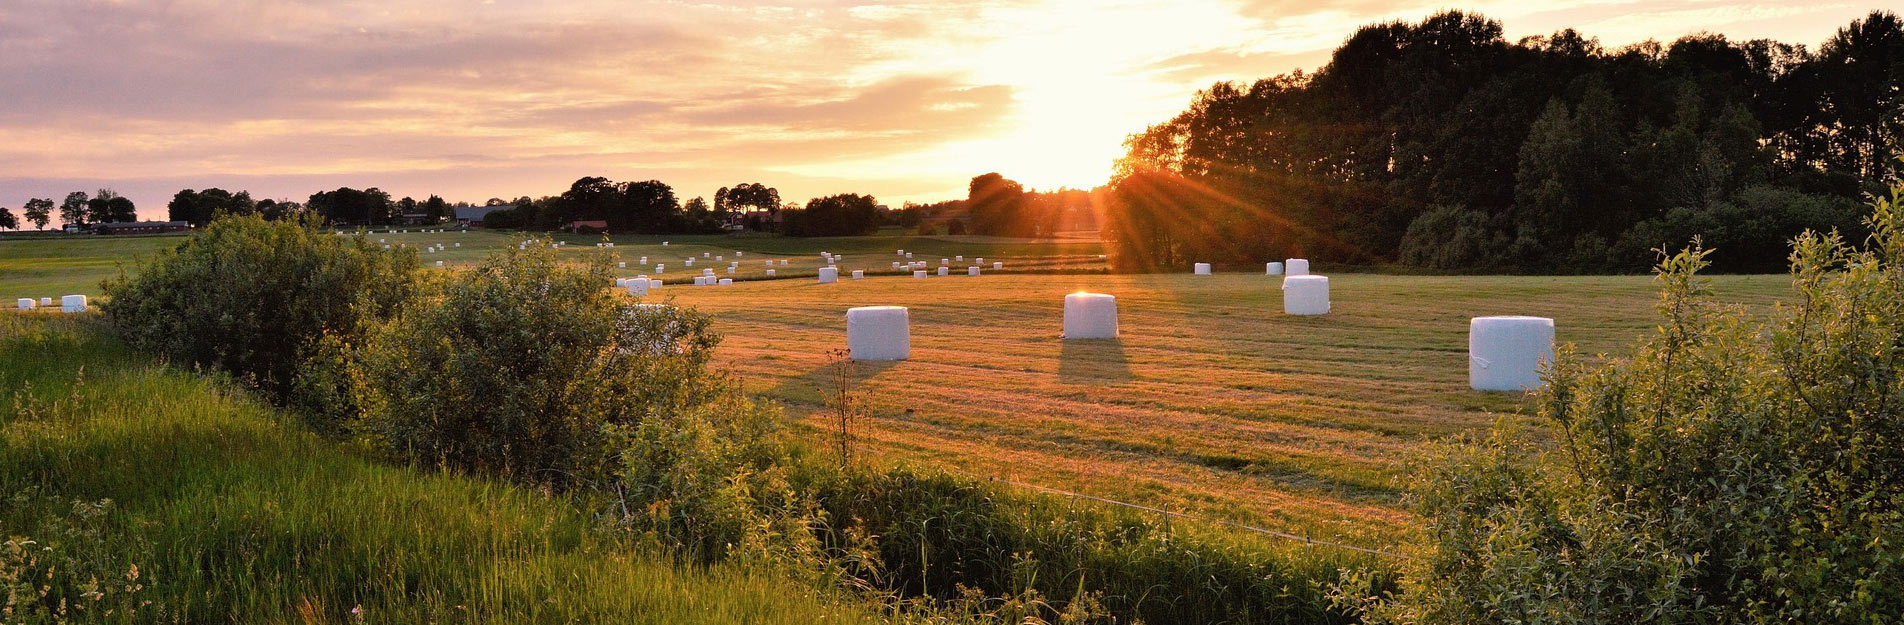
<point>231,515</point>
<point>56,265</point>
<point>1212,402</point>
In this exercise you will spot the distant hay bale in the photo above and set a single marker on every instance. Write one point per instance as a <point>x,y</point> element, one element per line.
<point>73,304</point>
<point>1203,269</point>
<point>637,287</point>
<point>1306,295</point>
<point>1296,266</point>
<point>919,273</point>
<point>1272,269</point>
<point>46,301</point>
<point>770,273</point>
<point>829,275</point>
<point>27,303</point>
<point>971,271</point>
<point>997,266</point>
<point>945,271</point>
<point>727,282</point>
<point>1505,353</point>
<point>878,333</point>
<point>1090,316</point>
<point>859,274</point>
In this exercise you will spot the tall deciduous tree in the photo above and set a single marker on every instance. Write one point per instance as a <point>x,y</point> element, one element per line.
<point>39,211</point>
<point>73,209</point>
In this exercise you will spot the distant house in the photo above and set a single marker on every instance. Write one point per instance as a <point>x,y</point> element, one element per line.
<point>418,218</point>
<point>473,215</point>
<point>141,227</point>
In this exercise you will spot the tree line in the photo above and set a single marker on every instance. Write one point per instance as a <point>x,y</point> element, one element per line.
<point>1442,145</point>
<point>77,209</point>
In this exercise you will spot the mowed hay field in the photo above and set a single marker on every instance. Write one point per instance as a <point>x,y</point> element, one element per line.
<point>55,265</point>
<point>1211,403</point>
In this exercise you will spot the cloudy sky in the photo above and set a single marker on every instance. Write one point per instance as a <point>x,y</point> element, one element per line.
<point>472,99</point>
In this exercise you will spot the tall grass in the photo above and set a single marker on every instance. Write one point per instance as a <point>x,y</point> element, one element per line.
<point>230,513</point>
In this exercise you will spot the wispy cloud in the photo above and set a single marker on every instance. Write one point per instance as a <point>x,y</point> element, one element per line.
<point>481,98</point>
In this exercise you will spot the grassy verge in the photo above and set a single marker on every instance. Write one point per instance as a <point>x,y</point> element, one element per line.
<point>139,493</point>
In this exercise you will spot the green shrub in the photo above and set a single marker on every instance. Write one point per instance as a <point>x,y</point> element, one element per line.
<point>1736,469</point>
<point>526,367</point>
<point>712,482</point>
<point>945,536</point>
<point>252,297</point>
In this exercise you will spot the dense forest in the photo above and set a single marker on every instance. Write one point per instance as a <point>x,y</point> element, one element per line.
<point>1444,146</point>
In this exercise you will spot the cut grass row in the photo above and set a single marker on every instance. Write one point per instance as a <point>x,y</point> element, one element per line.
<point>1212,402</point>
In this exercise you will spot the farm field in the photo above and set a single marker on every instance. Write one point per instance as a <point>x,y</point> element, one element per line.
<point>1211,403</point>
<point>51,266</point>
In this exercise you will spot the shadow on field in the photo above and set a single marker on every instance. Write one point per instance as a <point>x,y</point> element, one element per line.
<point>1096,361</point>
<point>814,386</point>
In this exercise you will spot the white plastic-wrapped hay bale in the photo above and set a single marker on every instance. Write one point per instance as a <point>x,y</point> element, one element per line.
<point>783,262</point>
<point>971,271</point>
<point>908,254</point>
<point>707,254</point>
<point>979,261</point>
<point>27,303</point>
<point>1296,266</point>
<point>960,258</point>
<point>707,272</point>
<point>439,263</point>
<point>919,273</point>
<point>46,301</point>
<point>829,275</point>
<point>73,304</point>
<point>1203,269</point>
<point>1090,316</point>
<point>637,287</point>
<point>700,280</point>
<point>878,333</point>
<point>660,269</point>
<point>721,257</point>
<point>1306,295</point>
<point>945,262</point>
<point>859,274</point>
<point>689,261</point>
<point>738,254</point>
<point>895,265</point>
<point>1505,353</point>
<point>727,282</point>
<point>1272,269</point>
<point>644,260</point>
<point>945,271</point>
<point>769,263</point>
<point>622,265</point>
<point>664,244</point>
<point>730,270</point>
<point>654,283</point>
<point>997,266</point>
<point>770,273</point>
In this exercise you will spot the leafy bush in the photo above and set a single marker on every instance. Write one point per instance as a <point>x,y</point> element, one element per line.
<point>712,482</point>
<point>1734,470</point>
<point>527,367</point>
<point>1750,231</point>
<point>943,536</point>
<point>252,297</point>
<point>846,214</point>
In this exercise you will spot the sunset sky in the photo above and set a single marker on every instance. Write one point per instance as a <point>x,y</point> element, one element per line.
<point>471,99</point>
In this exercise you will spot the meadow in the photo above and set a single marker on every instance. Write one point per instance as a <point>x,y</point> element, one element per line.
<point>178,497</point>
<point>1211,403</point>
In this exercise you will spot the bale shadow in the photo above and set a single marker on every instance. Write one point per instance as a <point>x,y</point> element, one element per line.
<point>1093,361</point>
<point>813,386</point>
